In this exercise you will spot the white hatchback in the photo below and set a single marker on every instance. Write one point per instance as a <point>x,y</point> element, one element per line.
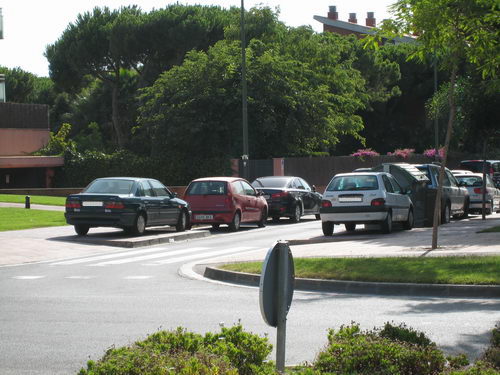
<point>365,198</point>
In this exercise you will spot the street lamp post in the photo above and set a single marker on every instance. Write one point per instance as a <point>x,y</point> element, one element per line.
<point>244,92</point>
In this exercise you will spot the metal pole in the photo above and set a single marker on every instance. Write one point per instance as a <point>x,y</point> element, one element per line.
<point>483,193</point>
<point>282,305</point>
<point>244,91</point>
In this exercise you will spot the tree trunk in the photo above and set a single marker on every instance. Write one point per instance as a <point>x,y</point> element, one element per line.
<point>115,117</point>
<point>451,120</point>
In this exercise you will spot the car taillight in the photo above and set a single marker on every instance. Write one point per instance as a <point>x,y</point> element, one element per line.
<point>73,204</point>
<point>114,205</point>
<point>326,204</point>
<point>378,202</point>
<point>281,194</point>
<point>478,190</point>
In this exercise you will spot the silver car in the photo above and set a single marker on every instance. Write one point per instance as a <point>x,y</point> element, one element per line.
<point>365,198</point>
<point>474,184</point>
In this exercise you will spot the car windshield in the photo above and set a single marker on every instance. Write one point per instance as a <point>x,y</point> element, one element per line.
<point>474,166</point>
<point>110,186</point>
<point>271,182</point>
<point>207,188</point>
<point>350,183</point>
<point>470,180</point>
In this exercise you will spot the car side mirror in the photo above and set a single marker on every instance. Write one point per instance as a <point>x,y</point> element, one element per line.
<point>313,188</point>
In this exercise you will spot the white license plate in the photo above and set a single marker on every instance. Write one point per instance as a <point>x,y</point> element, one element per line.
<point>350,199</point>
<point>203,217</point>
<point>92,204</point>
<point>267,196</point>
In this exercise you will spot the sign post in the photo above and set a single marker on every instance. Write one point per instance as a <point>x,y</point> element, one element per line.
<point>275,294</point>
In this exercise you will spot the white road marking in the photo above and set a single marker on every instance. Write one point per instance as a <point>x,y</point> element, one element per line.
<point>28,277</point>
<point>137,277</point>
<point>107,256</point>
<point>147,257</point>
<point>198,256</point>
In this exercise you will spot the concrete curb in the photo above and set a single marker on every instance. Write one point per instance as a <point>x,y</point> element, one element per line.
<point>359,287</point>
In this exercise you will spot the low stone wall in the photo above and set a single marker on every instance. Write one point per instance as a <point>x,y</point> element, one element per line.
<point>64,192</point>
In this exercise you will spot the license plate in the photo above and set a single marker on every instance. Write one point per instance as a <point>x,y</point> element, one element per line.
<point>350,199</point>
<point>267,196</point>
<point>92,204</point>
<point>203,217</point>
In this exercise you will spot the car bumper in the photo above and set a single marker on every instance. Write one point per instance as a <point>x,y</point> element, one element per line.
<point>212,217</point>
<point>478,205</point>
<point>357,214</point>
<point>110,219</point>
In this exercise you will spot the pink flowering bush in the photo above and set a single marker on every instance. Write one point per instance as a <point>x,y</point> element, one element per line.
<point>431,153</point>
<point>367,152</point>
<point>402,153</point>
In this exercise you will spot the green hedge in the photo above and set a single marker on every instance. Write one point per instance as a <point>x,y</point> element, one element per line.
<point>80,168</point>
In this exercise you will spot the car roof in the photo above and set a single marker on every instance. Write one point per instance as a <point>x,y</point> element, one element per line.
<point>479,161</point>
<point>470,174</point>
<point>285,177</point>
<point>222,178</point>
<point>361,174</point>
<point>124,178</point>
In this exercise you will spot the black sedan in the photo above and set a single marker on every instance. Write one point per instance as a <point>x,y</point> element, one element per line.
<point>288,196</point>
<point>126,202</point>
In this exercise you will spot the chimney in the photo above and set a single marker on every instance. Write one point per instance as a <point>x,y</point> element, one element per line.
<point>352,18</point>
<point>370,19</point>
<point>333,14</point>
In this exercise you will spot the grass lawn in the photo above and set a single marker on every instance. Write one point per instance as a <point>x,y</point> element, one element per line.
<point>491,230</point>
<point>35,199</point>
<point>20,218</point>
<point>482,270</point>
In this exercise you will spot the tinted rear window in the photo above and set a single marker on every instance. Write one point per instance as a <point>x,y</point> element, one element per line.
<point>474,166</point>
<point>352,183</point>
<point>470,180</point>
<point>110,186</point>
<point>271,182</point>
<point>207,188</point>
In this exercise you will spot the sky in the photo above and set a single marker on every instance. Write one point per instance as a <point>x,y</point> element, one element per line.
<point>30,25</point>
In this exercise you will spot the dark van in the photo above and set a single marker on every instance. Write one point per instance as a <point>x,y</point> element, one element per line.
<point>492,168</point>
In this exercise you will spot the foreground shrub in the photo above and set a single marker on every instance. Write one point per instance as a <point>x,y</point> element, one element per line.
<point>352,351</point>
<point>492,354</point>
<point>230,352</point>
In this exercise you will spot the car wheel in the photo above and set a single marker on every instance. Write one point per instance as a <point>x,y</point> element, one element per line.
<point>263,218</point>
<point>387,224</point>
<point>490,210</point>
<point>318,217</point>
<point>234,226</point>
<point>276,219</point>
<point>215,226</point>
<point>296,213</point>
<point>182,222</point>
<point>139,225</point>
<point>350,227</point>
<point>465,214</point>
<point>81,229</point>
<point>446,214</point>
<point>408,224</point>
<point>327,227</point>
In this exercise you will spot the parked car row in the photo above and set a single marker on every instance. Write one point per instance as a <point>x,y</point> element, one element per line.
<point>136,203</point>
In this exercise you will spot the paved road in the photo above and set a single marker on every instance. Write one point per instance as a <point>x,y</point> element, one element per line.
<point>56,314</point>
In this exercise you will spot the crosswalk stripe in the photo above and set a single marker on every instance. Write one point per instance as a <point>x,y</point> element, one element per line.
<point>198,256</point>
<point>147,257</point>
<point>107,256</point>
<point>28,277</point>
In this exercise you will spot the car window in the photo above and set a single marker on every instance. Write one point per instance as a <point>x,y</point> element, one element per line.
<point>353,182</point>
<point>238,188</point>
<point>207,188</point>
<point>247,188</point>
<point>395,186</point>
<point>447,179</point>
<point>147,189</point>
<point>452,178</point>
<point>496,167</point>
<point>271,182</point>
<point>470,180</point>
<point>387,184</point>
<point>158,189</point>
<point>299,184</point>
<point>110,186</point>
<point>305,184</point>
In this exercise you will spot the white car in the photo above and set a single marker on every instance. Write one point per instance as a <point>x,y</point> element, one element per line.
<point>474,184</point>
<point>365,198</point>
<point>455,172</point>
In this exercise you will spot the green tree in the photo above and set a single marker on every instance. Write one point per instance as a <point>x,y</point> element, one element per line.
<point>19,85</point>
<point>453,32</point>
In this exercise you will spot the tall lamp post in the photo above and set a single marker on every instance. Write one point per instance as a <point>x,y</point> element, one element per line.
<point>244,106</point>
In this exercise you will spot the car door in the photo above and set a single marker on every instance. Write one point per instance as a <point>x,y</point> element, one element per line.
<point>455,193</point>
<point>168,211</point>
<point>307,197</point>
<point>151,203</point>
<point>252,207</point>
<point>391,198</point>
<point>402,200</point>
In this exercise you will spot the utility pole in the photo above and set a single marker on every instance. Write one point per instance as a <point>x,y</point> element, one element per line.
<point>244,105</point>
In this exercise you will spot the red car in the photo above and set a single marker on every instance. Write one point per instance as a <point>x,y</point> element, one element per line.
<point>225,200</point>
